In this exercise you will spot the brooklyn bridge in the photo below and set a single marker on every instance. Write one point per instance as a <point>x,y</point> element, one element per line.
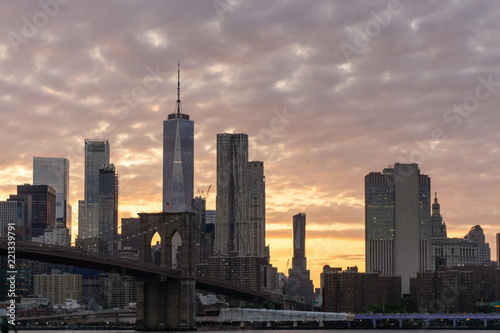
<point>166,296</point>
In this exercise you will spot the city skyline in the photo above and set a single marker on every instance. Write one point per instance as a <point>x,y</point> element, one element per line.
<point>322,105</point>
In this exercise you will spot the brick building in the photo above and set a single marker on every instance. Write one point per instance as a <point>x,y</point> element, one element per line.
<point>351,291</point>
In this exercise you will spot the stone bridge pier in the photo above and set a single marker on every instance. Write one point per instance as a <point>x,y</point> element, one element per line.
<point>167,304</point>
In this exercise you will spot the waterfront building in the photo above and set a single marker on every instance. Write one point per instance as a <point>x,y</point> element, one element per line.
<point>57,287</point>
<point>351,291</point>
<point>449,291</point>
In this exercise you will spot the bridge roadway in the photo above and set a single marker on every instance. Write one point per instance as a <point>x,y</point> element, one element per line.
<point>74,256</point>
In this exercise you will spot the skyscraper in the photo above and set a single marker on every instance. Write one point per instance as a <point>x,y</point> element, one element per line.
<point>55,173</point>
<point>257,212</point>
<point>43,206</point>
<point>232,222</point>
<point>299,278</point>
<point>178,159</point>
<point>11,213</point>
<point>397,220</point>
<point>108,210</point>
<point>96,158</point>
<point>498,248</point>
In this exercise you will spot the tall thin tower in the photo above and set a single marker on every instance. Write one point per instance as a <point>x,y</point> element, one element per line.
<point>178,158</point>
<point>96,158</point>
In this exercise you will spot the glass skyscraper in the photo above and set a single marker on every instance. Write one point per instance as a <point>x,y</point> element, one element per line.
<point>55,173</point>
<point>108,210</point>
<point>96,158</point>
<point>178,159</point>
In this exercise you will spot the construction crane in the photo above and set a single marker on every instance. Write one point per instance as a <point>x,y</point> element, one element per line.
<point>202,194</point>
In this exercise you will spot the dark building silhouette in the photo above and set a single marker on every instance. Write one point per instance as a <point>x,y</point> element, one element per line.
<point>299,282</point>
<point>130,233</point>
<point>108,210</point>
<point>447,291</point>
<point>351,291</point>
<point>43,206</point>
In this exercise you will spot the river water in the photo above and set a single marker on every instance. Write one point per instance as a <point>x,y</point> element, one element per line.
<point>271,330</point>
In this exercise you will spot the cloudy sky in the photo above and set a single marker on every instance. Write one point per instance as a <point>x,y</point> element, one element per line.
<point>328,91</point>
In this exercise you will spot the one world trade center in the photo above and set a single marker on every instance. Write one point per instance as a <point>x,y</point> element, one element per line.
<point>178,159</point>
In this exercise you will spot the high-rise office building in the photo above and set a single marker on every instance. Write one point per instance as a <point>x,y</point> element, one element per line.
<point>55,173</point>
<point>43,206</point>
<point>11,213</point>
<point>257,212</point>
<point>397,220</point>
<point>96,158</point>
<point>498,249</point>
<point>232,204</point>
<point>178,159</point>
<point>299,282</point>
<point>108,210</point>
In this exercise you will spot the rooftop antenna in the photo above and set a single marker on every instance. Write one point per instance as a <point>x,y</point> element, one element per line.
<point>178,88</point>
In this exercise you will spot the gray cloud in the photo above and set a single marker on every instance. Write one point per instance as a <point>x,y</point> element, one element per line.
<point>351,117</point>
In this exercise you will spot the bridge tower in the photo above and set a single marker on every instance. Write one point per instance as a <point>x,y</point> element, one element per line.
<point>167,304</point>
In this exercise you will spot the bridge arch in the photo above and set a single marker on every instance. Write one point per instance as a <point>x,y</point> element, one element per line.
<point>167,304</point>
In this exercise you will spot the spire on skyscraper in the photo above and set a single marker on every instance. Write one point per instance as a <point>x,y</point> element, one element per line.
<point>178,88</point>
<point>177,113</point>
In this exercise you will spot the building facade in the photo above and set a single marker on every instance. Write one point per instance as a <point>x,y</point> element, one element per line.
<point>108,210</point>
<point>96,158</point>
<point>351,291</point>
<point>11,213</point>
<point>55,173</point>
<point>257,212</point>
<point>43,206</point>
<point>299,282</point>
<point>476,235</point>
<point>178,159</point>
<point>448,291</point>
<point>57,287</point>
<point>397,221</point>
<point>450,252</point>
<point>232,204</point>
